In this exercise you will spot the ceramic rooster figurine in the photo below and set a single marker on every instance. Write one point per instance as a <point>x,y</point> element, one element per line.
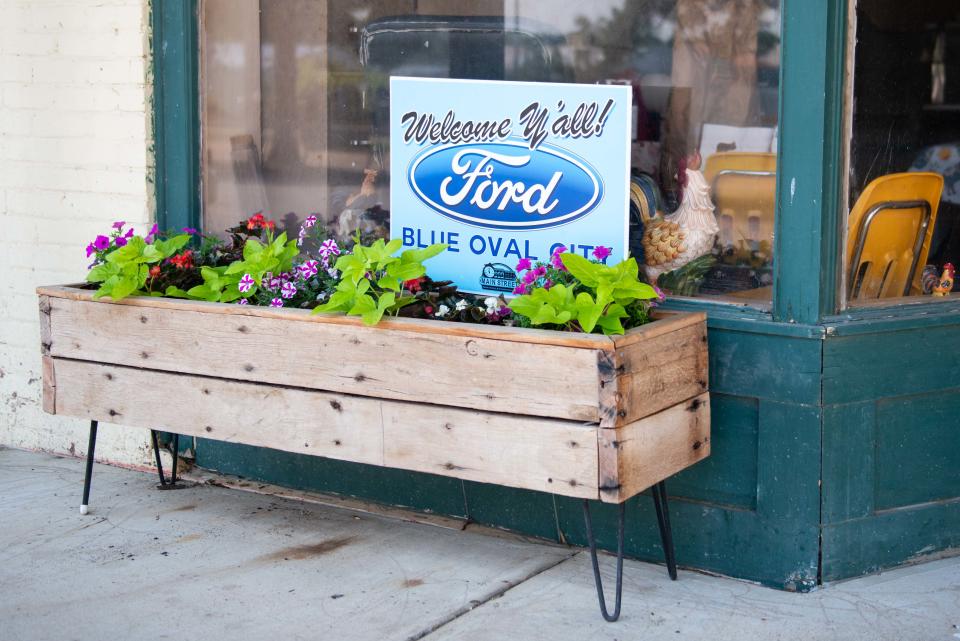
<point>946,281</point>
<point>672,241</point>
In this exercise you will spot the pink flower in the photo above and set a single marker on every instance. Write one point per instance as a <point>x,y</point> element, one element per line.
<point>101,243</point>
<point>555,260</point>
<point>329,247</point>
<point>660,295</point>
<point>246,284</point>
<point>524,264</point>
<point>529,277</point>
<point>190,230</point>
<point>600,252</point>
<point>153,232</point>
<point>520,290</point>
<point>243,301</point>
<point>91,250</point>
<point>308,269</point>
<point>119,224</point>
<point>289,290</point>
<point>121,241</point>
<point>547,284</point>
<point>276,302</point>
<point>310,221</point>
<point>540,271</point>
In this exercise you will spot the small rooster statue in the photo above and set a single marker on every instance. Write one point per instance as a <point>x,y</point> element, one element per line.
<point>946,281</point>
<point>674,240</point>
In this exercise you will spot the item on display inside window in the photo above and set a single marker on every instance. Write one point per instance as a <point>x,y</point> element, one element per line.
<point>946,281</point>
<point>675,240</point>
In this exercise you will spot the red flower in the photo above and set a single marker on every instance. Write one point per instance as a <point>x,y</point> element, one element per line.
<point>413,286</point>
<point>154,271</point>
<point>270,225</point>
<point>256,221</point>
<point>428,309</point>
<point>183,260</point>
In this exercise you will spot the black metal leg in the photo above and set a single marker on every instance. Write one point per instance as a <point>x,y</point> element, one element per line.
<point>164,483</point>
<point>91,445</point>
<point>596,566</point>
<point>659,492</point>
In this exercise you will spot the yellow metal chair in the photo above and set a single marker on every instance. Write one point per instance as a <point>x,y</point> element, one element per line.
<point>743,186</point>
<point>890,228</point>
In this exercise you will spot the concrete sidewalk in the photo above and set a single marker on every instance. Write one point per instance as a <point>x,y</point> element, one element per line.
<point>213,563</point>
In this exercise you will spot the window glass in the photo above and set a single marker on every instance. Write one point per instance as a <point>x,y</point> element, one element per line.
<point>903,229</point>
<point>295,103</point>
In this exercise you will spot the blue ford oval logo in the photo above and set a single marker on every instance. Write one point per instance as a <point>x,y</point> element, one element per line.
<point>506,185</point>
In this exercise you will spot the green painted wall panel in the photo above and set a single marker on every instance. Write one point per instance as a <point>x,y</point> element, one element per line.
<point>765,366</point>
<point>849,461</point>
<point>891,538</point>
<point>917,449</point>
<point>729,475</point>
<point>891,364</point>
<point>526,511</point>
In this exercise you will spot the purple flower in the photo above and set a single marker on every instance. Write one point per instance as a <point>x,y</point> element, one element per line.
<point>289,290</point>
<point>91,250</point>
<point>601,253</point>
<point>329,247</point>
<point>555,260</point>
<point>246,284</point>
<point>153,232</point>
<point>529,277</point>
<point>243,301</point>
<point>101,243</point>
<point>524,264</point>
<point>276,302</point>
<point>190,230</point>
<point>119,224</point>
<point>121,241</point>
<point>519,290</point>
<point>547,284</point>
<point>308,269</point>
<point>660,295</point>
<point>310,221</point>
<point>540,271</point>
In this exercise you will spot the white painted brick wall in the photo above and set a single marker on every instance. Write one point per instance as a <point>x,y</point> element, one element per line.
<point>74,140</point>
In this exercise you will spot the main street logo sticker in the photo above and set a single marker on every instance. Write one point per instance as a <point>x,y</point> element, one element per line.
<point>506,170</point>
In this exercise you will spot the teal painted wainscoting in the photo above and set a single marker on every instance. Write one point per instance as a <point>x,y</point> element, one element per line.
<point>891,444</point>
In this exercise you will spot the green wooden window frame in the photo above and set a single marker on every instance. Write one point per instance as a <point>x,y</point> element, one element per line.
<point>810,159</point>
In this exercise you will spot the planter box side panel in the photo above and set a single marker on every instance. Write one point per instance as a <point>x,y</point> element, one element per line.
<point>634,457</point>
<point>460,371</point>
<point>526,452</point>
<point>657,372</point>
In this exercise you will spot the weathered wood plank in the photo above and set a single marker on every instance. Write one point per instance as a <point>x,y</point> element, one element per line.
<point>306,422</point>
<point>415,325</point>
<point>44,325</point>
<point>49,395</point>
<point>635,456</point>
<point>461,371</point>
<point>661,373</point>
<point>537,454</point>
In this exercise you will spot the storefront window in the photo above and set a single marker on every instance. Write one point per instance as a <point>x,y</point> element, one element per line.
<point>903,230</point>
<point>295,101</point>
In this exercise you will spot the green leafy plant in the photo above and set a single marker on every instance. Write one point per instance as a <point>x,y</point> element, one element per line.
<point>578,294</point>
<point>372,279</point>
<point>125,269</point>
<point>232,282</point>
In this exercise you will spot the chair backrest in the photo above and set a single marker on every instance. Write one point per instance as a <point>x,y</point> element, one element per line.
<point>890,228</point>
<point>743,187</point>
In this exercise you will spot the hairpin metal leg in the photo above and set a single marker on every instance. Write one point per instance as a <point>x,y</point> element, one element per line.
<point>164,483</point>
<point>596,566</point>
<point>659,492</point>
<point>91,445</point>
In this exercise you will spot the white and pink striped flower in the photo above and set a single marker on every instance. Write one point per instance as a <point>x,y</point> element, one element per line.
<point>246,284</point>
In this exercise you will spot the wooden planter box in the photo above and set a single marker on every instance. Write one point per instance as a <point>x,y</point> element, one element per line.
<point>585,416</point>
